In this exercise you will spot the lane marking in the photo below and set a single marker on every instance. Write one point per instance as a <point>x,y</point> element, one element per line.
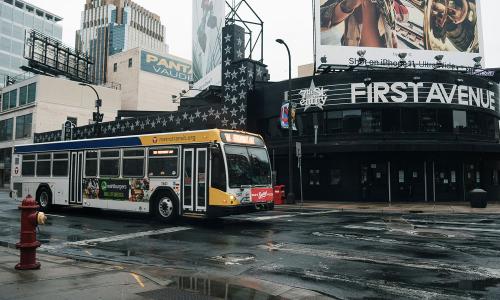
<point>127,236</point>
<point>365,227</point>
<point>56,216</point>
<point>263,218</point>
<point>138,279</point>
<point>443,227</point>
<point>429,222</point>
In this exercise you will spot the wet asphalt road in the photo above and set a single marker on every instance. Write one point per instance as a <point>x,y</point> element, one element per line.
<point>344,255</point>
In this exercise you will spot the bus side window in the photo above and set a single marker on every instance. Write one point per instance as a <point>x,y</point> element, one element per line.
<point>91,164</point>
<point>60,165</point>
<point>163,162</point>
<point>28,168</point>
<point>109,163</point>
<point>218,170</point>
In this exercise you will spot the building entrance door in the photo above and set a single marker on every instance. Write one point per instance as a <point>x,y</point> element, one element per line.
<point>374,182</point>
<point>447,182</point>
<point>408,181</point>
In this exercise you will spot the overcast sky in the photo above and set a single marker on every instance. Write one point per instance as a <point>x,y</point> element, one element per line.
<point>290,20</point>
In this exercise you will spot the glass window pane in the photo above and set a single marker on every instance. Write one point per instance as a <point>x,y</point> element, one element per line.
<point>409,119</point>
<point>351,120</point>
<point>60,155</point>
<point>23,95</point>
<point>428,120</point>
<point>218,170</point>
<point>163,166</point>
<point>114,153</point>
<point>31,92</point>
<point>13,99</point>
<point>5,44</point>
<point>28,168</point>
<point>334,121</point>
<point>109,167</point>
<point>91,167</point>
<point>459,121</point>
<point>133,167</point>
<point>43,168</point>
<point>445,120</point>
<point>60,168</point>
<point>134,152</point>
<point>371,121</point>
<point>5,101</point>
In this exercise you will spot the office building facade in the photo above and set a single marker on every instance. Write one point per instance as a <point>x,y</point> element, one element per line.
<point>111,26</point>
<point>16,17</point>
<point>43,103</point>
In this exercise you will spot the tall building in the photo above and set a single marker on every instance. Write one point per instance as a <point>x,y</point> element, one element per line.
<point>16,16</point>
<point>111,26</point>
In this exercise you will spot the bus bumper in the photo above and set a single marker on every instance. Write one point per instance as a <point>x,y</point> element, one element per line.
<point>220,211</point>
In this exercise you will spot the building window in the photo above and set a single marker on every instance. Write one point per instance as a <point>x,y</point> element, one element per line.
<point>334,121</point>
<point>459,121</point>
<point>130,62</point>
<point>23,95</point>
<point>115,67</point>
<point>6,128</point>
<point>23,126</point>
<point>31,92</point>
<point>9,100</point>
<point>371,121</point>
<point>109,163</point>
<point>428,120</point>
<point>351,120</point>
<point>133,163</point>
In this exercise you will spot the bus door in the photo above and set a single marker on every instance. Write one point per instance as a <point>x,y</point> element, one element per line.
<point>75,178</point>
<point>194,179</point>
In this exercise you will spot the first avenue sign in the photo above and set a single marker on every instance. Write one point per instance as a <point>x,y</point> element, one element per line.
<point>410,92</point>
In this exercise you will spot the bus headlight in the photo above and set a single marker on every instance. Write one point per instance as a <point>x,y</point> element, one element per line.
<point>232,198</point>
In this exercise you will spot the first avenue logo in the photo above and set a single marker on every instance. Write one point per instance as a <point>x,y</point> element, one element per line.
<point>313,96</point>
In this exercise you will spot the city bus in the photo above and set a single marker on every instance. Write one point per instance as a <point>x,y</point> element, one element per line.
<point>207,173</point>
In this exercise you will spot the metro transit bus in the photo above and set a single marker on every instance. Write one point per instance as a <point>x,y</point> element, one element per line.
<point>207,173</point>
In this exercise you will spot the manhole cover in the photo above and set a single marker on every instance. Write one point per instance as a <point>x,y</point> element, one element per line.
<point>234,258</point>
<point>436,235</point>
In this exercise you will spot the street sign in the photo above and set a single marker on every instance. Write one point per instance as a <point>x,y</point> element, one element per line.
<point>298,149</point>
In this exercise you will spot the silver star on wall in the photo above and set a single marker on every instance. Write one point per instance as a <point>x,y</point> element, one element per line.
<point>239,54</point>
<point>243,69</point>
<point>171,118</point>
<point>227,97</point>
<point>178,121</point>
<point>211,111</point>
<point>227,74</point>
<point>239,41</point>
<point>197,113</point>
<point>243,120</point>
<point>243,81</point>
<point>185,116</point>
<point>234,100</point>
<point>228,49</point>
<point>224,109</point>
<point>204,116</point>
<point>242,107</point>
<point>234,87</point>
<point>224,122</point>
<point>233,112</point>
<point>233,125</point>
<point>227,62</point>
<point>191,119</point>
<point>234,75</point>
<point>217,115</point>
<point>242,95</point>
<point>227,38</point>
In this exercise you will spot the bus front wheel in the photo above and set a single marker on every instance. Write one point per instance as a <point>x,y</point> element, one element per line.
<point>165,207</point>
<point>44,199</point>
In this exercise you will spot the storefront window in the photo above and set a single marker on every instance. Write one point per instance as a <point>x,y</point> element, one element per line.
<point>459,121</point>
<point>474,123</point>
<point>334,121</point>
<point>445,120</point>
<point>391,120</point>
<point>371,121</point>
<point>428,120</point>
<point>351,120</point>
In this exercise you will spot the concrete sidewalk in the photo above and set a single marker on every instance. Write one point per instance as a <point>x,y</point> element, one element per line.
<point>377,207</point>
<point>67,278</point>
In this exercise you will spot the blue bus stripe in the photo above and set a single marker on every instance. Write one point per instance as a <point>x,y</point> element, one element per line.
<point>80,145</point>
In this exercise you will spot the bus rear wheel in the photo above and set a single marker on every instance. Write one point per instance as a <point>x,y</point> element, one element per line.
<point>165,208</point>
<point>44,199</point>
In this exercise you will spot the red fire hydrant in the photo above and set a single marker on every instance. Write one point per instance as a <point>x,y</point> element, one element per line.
<point>30,219</point>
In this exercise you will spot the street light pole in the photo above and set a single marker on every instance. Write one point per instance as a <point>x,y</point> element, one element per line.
<point>98,104</point>
<point>291,195</point>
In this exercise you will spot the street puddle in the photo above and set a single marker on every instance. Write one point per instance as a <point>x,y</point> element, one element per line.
<point>187,287</point>
<point>234,258</point>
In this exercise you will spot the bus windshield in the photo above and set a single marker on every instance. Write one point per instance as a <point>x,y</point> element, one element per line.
<point>247,166</point>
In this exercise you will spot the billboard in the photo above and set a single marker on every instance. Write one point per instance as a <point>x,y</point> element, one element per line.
<point>167,66</point>
<point>208,20</point>
<point>422,29</point>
